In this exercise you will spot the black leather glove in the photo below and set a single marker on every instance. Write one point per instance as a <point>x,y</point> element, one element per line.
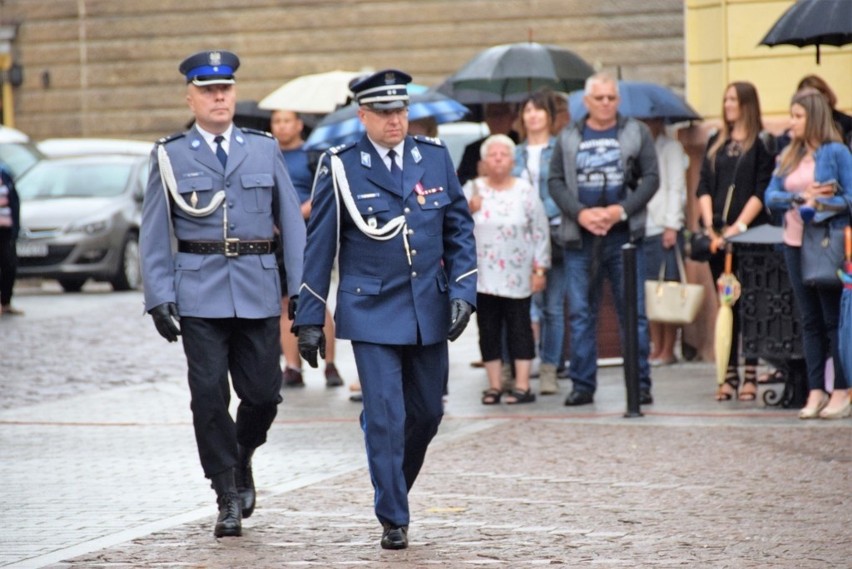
<point>292,305</point>
<point>460,311</point>
<point>311,339</point>
<point>165,316</point>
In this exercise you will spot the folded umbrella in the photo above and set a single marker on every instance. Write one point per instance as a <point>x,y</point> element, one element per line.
<point>844,330</point>
<point>344,126</point>
<point>728,288</point>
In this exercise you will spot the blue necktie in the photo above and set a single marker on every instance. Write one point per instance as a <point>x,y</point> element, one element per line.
<point>220,152</point>
<point>395,170</point>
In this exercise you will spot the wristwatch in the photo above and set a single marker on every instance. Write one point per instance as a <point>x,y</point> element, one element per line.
<point>623,214</point>
<point>741,227</point>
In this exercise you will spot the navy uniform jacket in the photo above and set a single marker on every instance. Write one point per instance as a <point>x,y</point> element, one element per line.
<point>258,194</point>
<point>381,298</point>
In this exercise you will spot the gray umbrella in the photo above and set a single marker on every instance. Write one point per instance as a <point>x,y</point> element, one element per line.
<point>813,22</point>
<point>510,72</point>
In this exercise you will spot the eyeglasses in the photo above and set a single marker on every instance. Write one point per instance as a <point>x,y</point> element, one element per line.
<point>600,98</point>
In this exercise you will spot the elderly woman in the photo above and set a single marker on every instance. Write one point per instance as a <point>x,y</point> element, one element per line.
<point>513,255</point>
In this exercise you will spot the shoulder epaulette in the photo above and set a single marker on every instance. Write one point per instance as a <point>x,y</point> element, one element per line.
<point>340,148</point>
<point>171,137</point>
<point>429,139</point>
<point>256,131</point>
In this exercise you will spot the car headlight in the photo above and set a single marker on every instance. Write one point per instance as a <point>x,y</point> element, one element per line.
<point>89,227</point>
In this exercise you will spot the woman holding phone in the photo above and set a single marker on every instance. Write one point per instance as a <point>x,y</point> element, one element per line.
<point>815,164</point>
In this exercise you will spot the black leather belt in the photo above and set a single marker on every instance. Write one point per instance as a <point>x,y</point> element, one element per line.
<point>230,247</point>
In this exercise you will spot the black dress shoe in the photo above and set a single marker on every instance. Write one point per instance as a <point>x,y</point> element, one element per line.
<point>395,537</point>
<point>229,522</point>
<point>579,398</point>
<point>245,480</point>
<point>645,397</point>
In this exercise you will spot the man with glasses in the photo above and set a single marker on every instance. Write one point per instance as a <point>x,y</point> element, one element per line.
<point>602,175</point>
<point>391,209</point>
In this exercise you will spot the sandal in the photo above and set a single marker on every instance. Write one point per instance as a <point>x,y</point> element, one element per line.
<point>749,389</point>
<point>728,389</point>
<point>519,396</point>
<point>774,376</point>
<point>491,396</point>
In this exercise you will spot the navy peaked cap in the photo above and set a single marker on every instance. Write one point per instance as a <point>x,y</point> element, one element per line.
<point>210,68</point>
<point>382,90</point>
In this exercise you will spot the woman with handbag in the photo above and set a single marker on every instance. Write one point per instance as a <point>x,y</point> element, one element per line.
<point>736,170</point>
<point>816,164</point>
<point>663,233</point>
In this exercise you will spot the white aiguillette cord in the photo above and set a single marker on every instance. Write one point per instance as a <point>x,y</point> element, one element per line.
<point>391,228</point>
<point>170,185</point>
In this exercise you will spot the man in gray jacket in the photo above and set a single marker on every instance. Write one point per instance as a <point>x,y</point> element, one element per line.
<point>603,173</point>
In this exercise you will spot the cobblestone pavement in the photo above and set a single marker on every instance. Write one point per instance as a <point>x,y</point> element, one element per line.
<point>99,459</point>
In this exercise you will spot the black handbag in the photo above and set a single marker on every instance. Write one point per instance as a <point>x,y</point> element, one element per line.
<point>823,252</point>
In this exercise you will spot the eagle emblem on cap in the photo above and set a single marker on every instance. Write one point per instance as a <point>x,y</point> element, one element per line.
<point>215,58</point>
<point>390,79</point>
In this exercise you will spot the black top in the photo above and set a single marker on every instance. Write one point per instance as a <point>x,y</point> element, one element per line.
<point>749,171</point>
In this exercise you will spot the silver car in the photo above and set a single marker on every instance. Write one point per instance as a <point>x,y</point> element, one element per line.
<point>80,218</point>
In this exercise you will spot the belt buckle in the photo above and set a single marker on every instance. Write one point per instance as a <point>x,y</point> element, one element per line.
<point>232,247</point>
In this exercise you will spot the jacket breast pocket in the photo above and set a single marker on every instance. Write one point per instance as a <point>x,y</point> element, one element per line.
<point>201,187</point>
<point>257,192</point>
<point>433,208</point>
<point>371,206</point>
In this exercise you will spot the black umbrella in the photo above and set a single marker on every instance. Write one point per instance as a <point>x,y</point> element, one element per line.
<point>248,115</point>
<point>813,22</point>
<point>510,72</point>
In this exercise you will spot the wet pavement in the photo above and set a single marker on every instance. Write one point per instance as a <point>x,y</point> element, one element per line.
<point>100,467</point>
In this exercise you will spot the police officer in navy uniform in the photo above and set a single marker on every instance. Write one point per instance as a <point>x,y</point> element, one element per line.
<point>392,207</point>
<point>215,196</point>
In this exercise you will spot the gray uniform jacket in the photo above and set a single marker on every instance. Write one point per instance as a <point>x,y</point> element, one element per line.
<point>641,177</point>
<point>258,195</point>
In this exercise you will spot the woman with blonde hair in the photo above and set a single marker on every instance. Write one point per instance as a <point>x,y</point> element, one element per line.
<point>512,258</point>
<point>815,164</point>
<point>736,170</point>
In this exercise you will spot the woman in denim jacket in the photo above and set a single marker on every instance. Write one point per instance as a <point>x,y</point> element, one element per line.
<point>816,164</point>
<point>532,163</point>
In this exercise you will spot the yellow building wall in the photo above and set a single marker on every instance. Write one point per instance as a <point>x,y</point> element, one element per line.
<point>722,45</point>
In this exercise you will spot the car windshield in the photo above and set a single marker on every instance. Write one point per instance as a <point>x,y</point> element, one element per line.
<point>52,179</point>
<point>19,157</point>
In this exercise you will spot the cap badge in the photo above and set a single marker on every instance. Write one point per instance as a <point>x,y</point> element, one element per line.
<point>215,58</point>
<point>390,79</point>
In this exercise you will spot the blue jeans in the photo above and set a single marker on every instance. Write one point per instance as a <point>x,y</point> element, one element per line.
<point>819,314</point>
<point>550,306</point>
<point>584,306</point>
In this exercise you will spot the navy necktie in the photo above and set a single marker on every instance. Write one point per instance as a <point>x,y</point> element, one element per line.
<point>395,170</point>
<point>220,152</point>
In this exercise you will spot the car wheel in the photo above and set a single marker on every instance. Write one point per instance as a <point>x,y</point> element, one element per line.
<point>72,284</point>
<point>129,275</point>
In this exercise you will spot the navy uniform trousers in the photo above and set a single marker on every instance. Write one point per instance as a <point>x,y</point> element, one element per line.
<point>403,389</point>
<point>393,297</point>
<point>249,348</point>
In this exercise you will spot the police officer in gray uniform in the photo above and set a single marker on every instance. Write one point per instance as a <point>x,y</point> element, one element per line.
<point>392,207</point>
<point>215,196</point>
